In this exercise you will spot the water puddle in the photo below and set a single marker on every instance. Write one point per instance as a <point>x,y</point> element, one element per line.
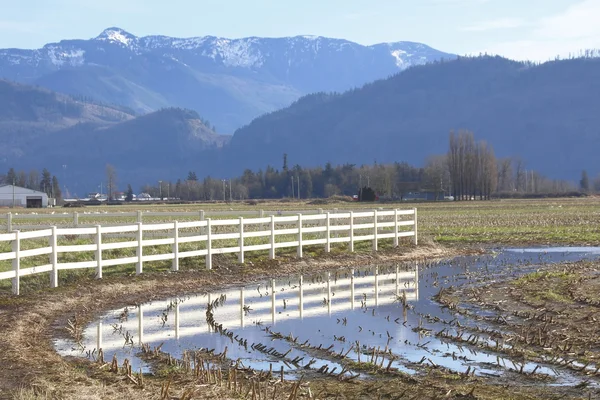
<point>382,316</point>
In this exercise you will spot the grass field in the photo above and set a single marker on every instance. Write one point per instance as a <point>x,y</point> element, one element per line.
<point>30,321</point>
<point>554,221</point>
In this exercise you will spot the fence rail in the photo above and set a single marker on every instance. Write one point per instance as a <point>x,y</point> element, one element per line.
<point>210,236</point>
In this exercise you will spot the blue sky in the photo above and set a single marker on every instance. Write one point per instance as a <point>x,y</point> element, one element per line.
<point>519,29</point>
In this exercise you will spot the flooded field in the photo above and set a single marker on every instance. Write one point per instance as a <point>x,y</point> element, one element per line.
<point>350,323</point>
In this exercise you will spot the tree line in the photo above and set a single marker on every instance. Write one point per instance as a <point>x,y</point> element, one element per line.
<point>43,182</point>
<point>470,170</point>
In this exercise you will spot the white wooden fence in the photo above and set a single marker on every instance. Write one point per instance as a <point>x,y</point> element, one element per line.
<point>316,229</point>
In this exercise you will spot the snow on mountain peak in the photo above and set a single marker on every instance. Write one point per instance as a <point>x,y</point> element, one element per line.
<point>239,53</point>
<point>117,35</point>
<point>397,54</point>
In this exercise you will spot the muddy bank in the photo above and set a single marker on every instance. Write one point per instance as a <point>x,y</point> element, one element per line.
<point>29,322</point>
<point>550,316</point>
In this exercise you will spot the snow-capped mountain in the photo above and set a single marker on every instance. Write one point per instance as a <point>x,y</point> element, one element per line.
<point>227,81</point>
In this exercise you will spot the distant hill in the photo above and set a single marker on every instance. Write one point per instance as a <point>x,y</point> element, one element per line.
<point>31,113</point>
<point>228,81</point>
<point>39,128</point>
<point>547,114</point>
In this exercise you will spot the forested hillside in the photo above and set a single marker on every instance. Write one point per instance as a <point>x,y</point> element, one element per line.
<point>546,114</point>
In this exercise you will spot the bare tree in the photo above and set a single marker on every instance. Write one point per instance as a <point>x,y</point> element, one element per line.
<point>471,167</point>
<point>488,175</point>
<point>519,168</point>
<point>437,176</point>
<point>111,180</point>
<point>505,176</point>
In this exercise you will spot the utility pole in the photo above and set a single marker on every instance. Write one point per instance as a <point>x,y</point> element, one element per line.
<point>293,196</point>
<point>65,178</point>
<point>230,198</point>
<point>298,179</point>
<point>360,187</point>
<point>160,189</point>
<point>13,188</point>
<point>224,200</point>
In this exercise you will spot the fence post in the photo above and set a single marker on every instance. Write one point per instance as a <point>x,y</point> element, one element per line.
<point>261,213</point>
<point>374,230</point>
<point>272,250</point>
<point>140,249</point>
<point>327,231</point>
<point>98,251</point>
<point>208,244</point>
<point>299,235</point>
<point>53,259</point>
<point>140,216</point>
<point>396,227</point>
<point>351,231</point>
<point>202,216</point>
<point>16,264</point>
<point>241,243</point>
<point>75,218</point>
<point>175,247</point>
<point>9,222</point>
<point>416,241</point>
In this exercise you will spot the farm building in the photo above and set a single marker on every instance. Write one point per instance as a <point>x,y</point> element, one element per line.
<point>22,197</point>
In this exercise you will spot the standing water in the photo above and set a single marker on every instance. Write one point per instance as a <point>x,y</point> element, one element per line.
<point>382,315</point>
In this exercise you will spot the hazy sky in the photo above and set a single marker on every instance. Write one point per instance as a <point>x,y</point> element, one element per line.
<point>520,29</point>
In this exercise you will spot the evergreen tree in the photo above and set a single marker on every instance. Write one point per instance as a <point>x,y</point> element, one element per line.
<point>11,177</point>
<point>46,182</point>
<point>129,196</point>
<point>192,176</point>
<point>367,194</point>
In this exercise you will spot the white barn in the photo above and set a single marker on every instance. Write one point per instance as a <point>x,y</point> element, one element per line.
<point>22,197</point>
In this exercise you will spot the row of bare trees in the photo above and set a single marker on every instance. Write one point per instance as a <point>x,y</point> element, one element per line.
<point>474,172</point>
<point>472,167</point>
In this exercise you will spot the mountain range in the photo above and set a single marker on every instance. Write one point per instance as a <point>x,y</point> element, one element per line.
<point>227,81</point>
<point>546,114</point>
